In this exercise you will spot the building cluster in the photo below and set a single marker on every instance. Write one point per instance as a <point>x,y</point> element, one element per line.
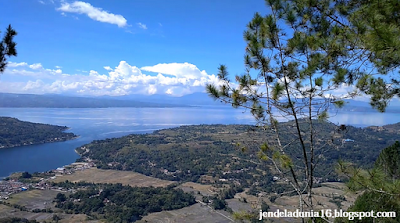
<point>70,169</point>
<point>237,171</point>
<point>13,186</point>
<point>167,172</point>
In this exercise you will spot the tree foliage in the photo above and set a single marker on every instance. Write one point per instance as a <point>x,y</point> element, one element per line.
<point>7,47</point>
<point>381,184</point>
<point>26,175</point>
<point>370,34</point>
<point>389,161</point>
<point>16,220</point>
<point>297,63</point>
<point>14,132</point>
<point>298,57</point>
<point>118,203</point>
<point>383,178</point>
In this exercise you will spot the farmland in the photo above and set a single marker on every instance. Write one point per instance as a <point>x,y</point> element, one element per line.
<point>113,176</point>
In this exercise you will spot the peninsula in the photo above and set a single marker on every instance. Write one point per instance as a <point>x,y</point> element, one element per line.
<point>14,132</point>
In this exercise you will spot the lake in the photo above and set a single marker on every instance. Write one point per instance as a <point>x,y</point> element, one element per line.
<point>101,123</point>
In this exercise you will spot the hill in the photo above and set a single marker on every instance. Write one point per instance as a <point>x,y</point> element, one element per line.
<point>209,153</point>
<point>14,132</point>
<point>60,101</point>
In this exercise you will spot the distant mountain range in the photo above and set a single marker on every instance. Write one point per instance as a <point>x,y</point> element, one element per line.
<point>195,99</point>
<point>362,106</point>
<point>157,100</point>
<point>61,101</point>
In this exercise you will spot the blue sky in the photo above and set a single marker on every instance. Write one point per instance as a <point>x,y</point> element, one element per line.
<point>124,47</point>
<point>97,47</point>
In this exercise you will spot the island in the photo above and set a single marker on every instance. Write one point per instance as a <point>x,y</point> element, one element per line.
<point>14,133</point>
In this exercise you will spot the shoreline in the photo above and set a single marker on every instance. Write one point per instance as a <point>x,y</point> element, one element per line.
<point>35,144</point>
<point>83,149</point>
<point>4,177</point>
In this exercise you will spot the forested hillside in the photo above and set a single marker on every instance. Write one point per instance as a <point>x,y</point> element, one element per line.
<point>14,132</point>
<point>227,153</point>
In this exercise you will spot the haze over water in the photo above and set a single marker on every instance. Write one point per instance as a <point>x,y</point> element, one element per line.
<point>93,124</point>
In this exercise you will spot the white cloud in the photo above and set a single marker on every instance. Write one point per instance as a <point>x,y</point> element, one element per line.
<point>82,71</point>
<point>183,70</point>
<point>36,66</point>
<point>38,84</point>
<point>41,2</point>
<point>94,13</point>
<point>176,79</point>
<point>344,91</point>
<point>12,64</point>
<point>141,25</point>
<point>169,91</point>
<point>124,70</point>
<point>108,68</point>
<point>152,89</point>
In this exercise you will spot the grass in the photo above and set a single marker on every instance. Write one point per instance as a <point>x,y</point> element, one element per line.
<point>113,176</point>
<point>196,213</point>
<point>34,199</point>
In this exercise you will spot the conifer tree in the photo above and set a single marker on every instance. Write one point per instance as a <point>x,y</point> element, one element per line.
<point>7,47</point>
<point>296,59</point>
<point>373,41</point>
<point>380,186</point>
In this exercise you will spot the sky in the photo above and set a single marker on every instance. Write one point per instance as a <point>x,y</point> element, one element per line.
<point>102,47</point>
<point>125,47</point>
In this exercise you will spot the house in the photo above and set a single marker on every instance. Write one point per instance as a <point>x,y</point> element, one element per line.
<point>60,170</point>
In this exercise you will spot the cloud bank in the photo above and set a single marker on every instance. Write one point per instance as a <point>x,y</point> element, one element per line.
<point>175,79</point>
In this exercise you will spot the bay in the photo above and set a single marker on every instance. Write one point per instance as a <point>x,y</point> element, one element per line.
<point>101,123</point>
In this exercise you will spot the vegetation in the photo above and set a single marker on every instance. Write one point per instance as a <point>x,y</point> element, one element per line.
<point>381,184</point>
<point>210,154</point>
<point>372,31</point>
<point>16,220</point>
<point>26,175</point>
<point>297,58</point>
<point>7,47</point>
<point>252,216</point>
<point>218,203</point>
<point>118,203</point>
<point>14,132</point>
<point>389,161</point>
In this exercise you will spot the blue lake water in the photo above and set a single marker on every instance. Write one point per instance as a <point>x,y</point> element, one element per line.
<point>91,124</point>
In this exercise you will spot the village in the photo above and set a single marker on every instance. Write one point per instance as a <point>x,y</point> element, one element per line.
<point>13,186</point>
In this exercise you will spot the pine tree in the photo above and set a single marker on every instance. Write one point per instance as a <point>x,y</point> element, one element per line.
<point>371,36</point>
<point>296,57</point>
<point>7,47</point>
<point>380,185</point>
